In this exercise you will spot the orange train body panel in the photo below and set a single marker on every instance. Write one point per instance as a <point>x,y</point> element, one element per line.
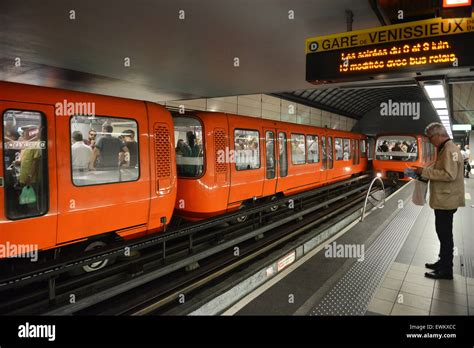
<point>127,208</point>
<point>388,166</point>
<point>223,188</point>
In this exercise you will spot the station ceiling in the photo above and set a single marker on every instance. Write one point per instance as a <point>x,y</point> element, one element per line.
<point>170,58</point>
<point>173,58</point>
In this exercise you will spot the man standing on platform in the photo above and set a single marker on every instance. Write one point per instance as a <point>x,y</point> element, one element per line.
<point>446,195</point>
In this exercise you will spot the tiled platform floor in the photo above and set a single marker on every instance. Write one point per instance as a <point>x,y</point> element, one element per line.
<point>405,290</point>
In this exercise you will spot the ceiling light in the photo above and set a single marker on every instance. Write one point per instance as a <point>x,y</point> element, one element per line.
<point>435,91</point>
<point>442,112</point>
<point>440,104</point>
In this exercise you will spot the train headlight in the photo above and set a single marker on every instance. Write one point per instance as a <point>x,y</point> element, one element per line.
<point>379,175</point>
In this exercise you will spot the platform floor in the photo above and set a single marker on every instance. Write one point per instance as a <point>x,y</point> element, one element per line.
<point>390,281</point>
<point>405,290</point>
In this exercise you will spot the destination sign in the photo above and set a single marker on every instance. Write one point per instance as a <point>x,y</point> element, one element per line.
<point>395,51</point>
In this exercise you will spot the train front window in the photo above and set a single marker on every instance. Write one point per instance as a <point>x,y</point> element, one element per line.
<point>396,148</point>
<point>189,147</point>
<point>25,163</point>
<point>247,149</point>
<point>104,150</point>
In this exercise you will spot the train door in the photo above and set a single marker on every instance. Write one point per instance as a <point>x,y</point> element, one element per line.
<point>355,152</point>
<point>324,159</point>
<point>105,172</point>
<point>282,155</point>
<point>247,171</point>
<point>28,195</point>
<point>270,183</point>
<point>329,152</point>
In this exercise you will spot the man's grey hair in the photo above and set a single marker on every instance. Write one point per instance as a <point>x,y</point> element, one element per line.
<point>436,128</point>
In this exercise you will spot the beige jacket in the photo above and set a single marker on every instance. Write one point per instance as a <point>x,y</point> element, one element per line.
<point>446,179</point>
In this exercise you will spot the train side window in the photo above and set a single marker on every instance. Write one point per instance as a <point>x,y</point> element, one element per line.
<point>247,149</point>
<point>363,148</point>
<point>330,154</point>
<point>25,162</point>
<point>270,154</point>
<point>283,154</point>
<point>312,148</point>
<point>339,150</point>
<point>324,153</point>
<point>357,151</point>
<point>104,150</point>
<point>347,151</point>
<point>189,146</point>
<point>298,149</point>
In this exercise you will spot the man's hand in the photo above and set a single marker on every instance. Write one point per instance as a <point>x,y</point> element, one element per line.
<point>418,170</point>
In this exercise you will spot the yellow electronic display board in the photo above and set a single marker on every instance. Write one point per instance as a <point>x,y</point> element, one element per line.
<point>407,49</point>
<point>391,33</point>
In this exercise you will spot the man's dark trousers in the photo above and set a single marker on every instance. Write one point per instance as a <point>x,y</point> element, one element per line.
<point>444,229</point>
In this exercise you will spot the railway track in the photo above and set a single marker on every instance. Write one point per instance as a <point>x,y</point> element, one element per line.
<point>164,269</point>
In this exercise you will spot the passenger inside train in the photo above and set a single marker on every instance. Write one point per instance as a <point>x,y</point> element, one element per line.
<point>188,147</point>
<point>399,148</point>
<point>113,157</point>
<point>25,163</point>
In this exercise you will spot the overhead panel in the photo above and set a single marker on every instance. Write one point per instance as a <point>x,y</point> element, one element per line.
<point>396,51</point>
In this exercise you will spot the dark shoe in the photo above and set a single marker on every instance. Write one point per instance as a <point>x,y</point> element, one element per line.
<point>439,275</point>
<point>434,266</point>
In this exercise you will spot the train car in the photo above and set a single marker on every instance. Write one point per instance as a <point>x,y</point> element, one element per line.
<point>396,152</point>
<point>225,161</point>
<point>79,167</point>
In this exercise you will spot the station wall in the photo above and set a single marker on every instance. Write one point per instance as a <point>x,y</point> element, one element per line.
<point>269,107</point>
<point>373,122</point>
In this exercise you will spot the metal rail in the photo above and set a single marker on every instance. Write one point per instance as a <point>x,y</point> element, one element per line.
<point>367,196</point>
<point>57,267</point>
<point>258,218</point>
<point>148,277</point>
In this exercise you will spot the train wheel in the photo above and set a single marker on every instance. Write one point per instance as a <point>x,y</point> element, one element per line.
<point>275,207</point>
<point>95,266</point>
<point>240,219</point>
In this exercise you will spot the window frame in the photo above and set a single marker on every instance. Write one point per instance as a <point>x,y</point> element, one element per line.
<point>324,153</point>
<point>363,154</point>
<point>204,167</point>
<point>273,154</point>
<point>48,206</point>
<point>285,147</point>
<point>137,135</point>
<point>291,148</point>
<point>348,140</point>
<point>259,152</point>
<point>342,148</point>
<point>316,139</point>
<point>391,160</point>
<point>330,144</point>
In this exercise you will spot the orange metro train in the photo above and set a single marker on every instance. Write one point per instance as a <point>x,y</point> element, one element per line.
<point>80,167</point>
